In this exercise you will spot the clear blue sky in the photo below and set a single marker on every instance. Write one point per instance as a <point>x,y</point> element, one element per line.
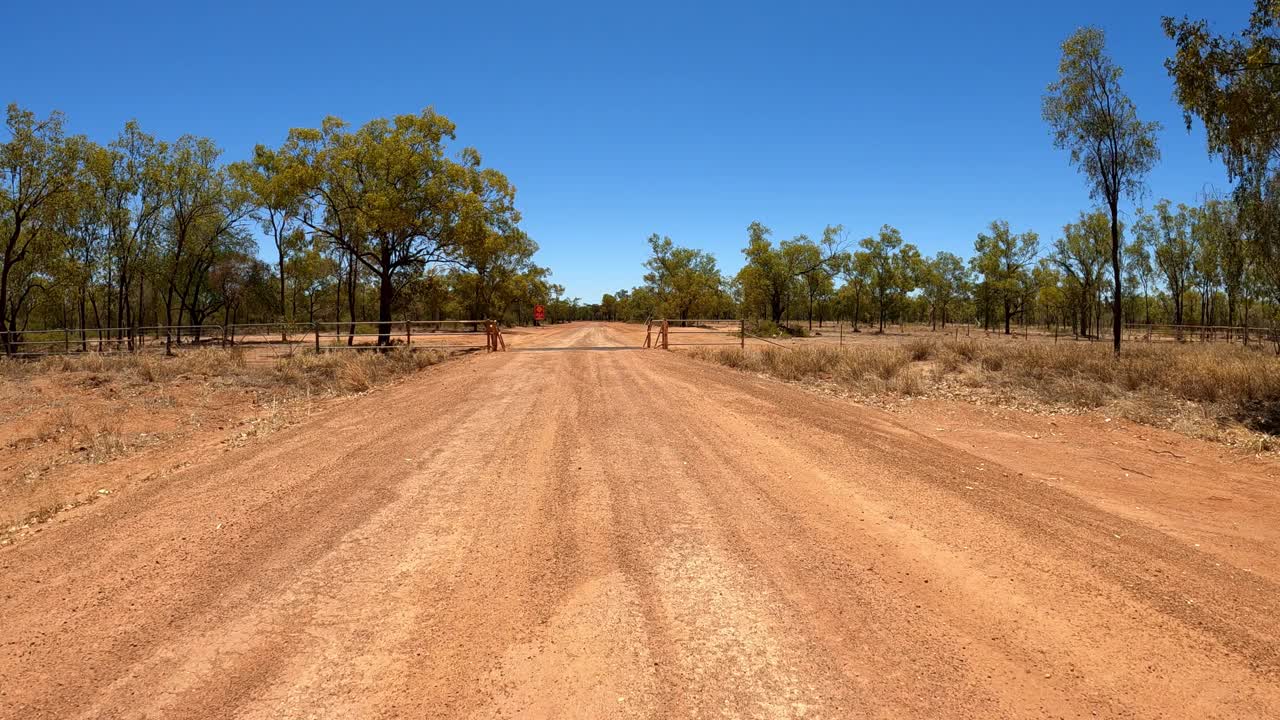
<point>619,120</point>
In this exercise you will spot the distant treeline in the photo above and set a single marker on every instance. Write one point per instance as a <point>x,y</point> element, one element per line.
<point>1214,264</point>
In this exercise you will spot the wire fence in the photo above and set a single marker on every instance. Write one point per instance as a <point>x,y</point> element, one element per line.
<point>448,335</point>
<point>668,333</point>
<point>1245,334</point>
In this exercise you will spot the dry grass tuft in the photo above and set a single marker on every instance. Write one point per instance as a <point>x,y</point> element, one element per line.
<point>334,372</point>
<point>352,371</point>
<point>206,362</point>
<point>921,349</point>
<point>1160,384</point>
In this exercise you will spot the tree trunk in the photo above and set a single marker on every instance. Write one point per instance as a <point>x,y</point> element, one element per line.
<point>352,281</point>
<point>1117,309</point>
<point>283,316</point>
<point>386,293</point>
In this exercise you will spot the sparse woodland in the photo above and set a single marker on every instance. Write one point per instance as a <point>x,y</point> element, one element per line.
<point>1215,263</point>
<point>388,221</point>
<point>369,223</point>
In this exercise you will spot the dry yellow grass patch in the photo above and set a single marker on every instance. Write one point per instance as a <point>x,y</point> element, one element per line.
<point>1170,385</point>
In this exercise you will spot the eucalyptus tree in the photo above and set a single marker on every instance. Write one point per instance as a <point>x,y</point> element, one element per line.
<point>1219,255</point>
<point>498,264</point>
<point>684,279</point>
<point>1232,84</point>
<point>1004,259</point>
<point>767,277</point>
<point>1233,258</point>
<point>1210,227</point>
<point>274,183</point>
<point>1081,253</point>
<point>391,198</point>
<point>1137,258</point>
<point>894,268</point>
<point>944,280</point>
<point>135,192</point>
<point>1174,253</point>
<point>204,207</point>
<point>773,274</point>
<point>855,269</point>
<point>1094,120</point>
<point>821,262</point>
<point>39,168</point>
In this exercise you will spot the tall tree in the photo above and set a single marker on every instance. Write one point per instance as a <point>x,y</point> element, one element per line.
<point>772,272</point>
<point>274,181</point>
<point>893,269</point>
<point>1232,84</point>
<point>944,279</point>
<point>1095,120</point>
<point>1137,258</point>
<point>1004,259</point>
<point>39,168</point>
<point>1174,253</point>
<point>203,211</point>
<point>683,278</point>
<point>1081,253</point>
<point>390,197</point>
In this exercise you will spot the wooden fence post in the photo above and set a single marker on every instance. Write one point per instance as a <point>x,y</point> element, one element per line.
<point>742,332</point>
<point>408,334</point>
<point>317,330</point>
<point>665,328</point>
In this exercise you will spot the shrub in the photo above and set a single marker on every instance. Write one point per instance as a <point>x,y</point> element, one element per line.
<point>920,348</point>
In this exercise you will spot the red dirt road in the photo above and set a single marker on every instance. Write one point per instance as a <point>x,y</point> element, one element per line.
<point>572,529</point>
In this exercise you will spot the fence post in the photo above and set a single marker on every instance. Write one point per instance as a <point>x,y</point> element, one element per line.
<point>742,332</point>
<point>665,328</point>
<point>316,328</point>
<point>408,334</point>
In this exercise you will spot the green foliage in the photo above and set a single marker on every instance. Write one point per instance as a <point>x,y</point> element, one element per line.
<point>686,282</point>
<point>1232,84</point>
<point>893,270</point>
<point>1098,124</point>
<point>1004,259</point>
<point>944,280</point>
<point>144,232</point>
<point>1081,253</point>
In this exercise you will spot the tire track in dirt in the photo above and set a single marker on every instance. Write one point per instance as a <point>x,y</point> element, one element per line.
<point>1071,591</point>
<point>623,533</point>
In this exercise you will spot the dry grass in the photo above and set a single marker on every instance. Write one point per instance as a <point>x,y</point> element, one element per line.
<point>335,372</point>
<point>351,371</point>
<point>1155,384</point>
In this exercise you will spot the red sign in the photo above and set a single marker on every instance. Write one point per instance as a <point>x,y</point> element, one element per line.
<point>539,312</point>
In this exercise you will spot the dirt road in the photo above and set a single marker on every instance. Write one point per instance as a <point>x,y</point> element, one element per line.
<point>578,529</point>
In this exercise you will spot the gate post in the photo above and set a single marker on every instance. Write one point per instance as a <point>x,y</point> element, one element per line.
<point>665,327</point>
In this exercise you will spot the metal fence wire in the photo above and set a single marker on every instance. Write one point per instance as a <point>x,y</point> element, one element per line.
<point>347,335</point>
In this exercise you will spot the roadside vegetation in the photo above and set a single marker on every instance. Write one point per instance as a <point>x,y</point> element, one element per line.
<point>68,421</point>
<point>1223,392</point>
<point>306,373</point>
